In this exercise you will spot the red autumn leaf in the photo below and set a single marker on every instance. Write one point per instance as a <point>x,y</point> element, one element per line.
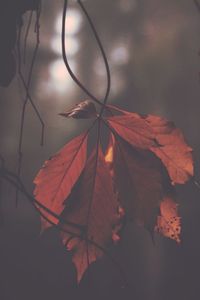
<point>59,174</point>
<point>168,223</point>
<point>159,136</point>
<point>93,205</point>
<point>134,130</point>
<point>139,179</point>
<point>142,184</point>
<point>133,179</point>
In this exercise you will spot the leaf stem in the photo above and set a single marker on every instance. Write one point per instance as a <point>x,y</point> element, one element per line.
<point>73,76</point>
<point>103,55</point>
<point>93,186</point>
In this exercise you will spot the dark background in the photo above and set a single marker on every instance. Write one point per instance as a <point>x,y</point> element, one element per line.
<point>152,47</point>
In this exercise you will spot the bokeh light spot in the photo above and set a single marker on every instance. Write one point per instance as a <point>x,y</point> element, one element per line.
<point>73,22</point>
<point>71,43</point>
<point>120,55</point>
<point>60,80</point>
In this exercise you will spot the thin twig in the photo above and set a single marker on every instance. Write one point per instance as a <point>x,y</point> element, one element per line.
<point>21,76</point>
<point>26,97</point>
<point>14,180</point>
<point>26,36</point>
<point>34,107</point>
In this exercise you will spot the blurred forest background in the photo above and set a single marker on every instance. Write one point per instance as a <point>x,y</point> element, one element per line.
<point>152,48</point>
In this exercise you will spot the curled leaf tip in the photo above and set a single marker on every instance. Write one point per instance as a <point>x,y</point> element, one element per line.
<point>83,110</point>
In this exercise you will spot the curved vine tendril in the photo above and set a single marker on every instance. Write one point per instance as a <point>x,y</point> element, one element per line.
<point>73,76</point>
